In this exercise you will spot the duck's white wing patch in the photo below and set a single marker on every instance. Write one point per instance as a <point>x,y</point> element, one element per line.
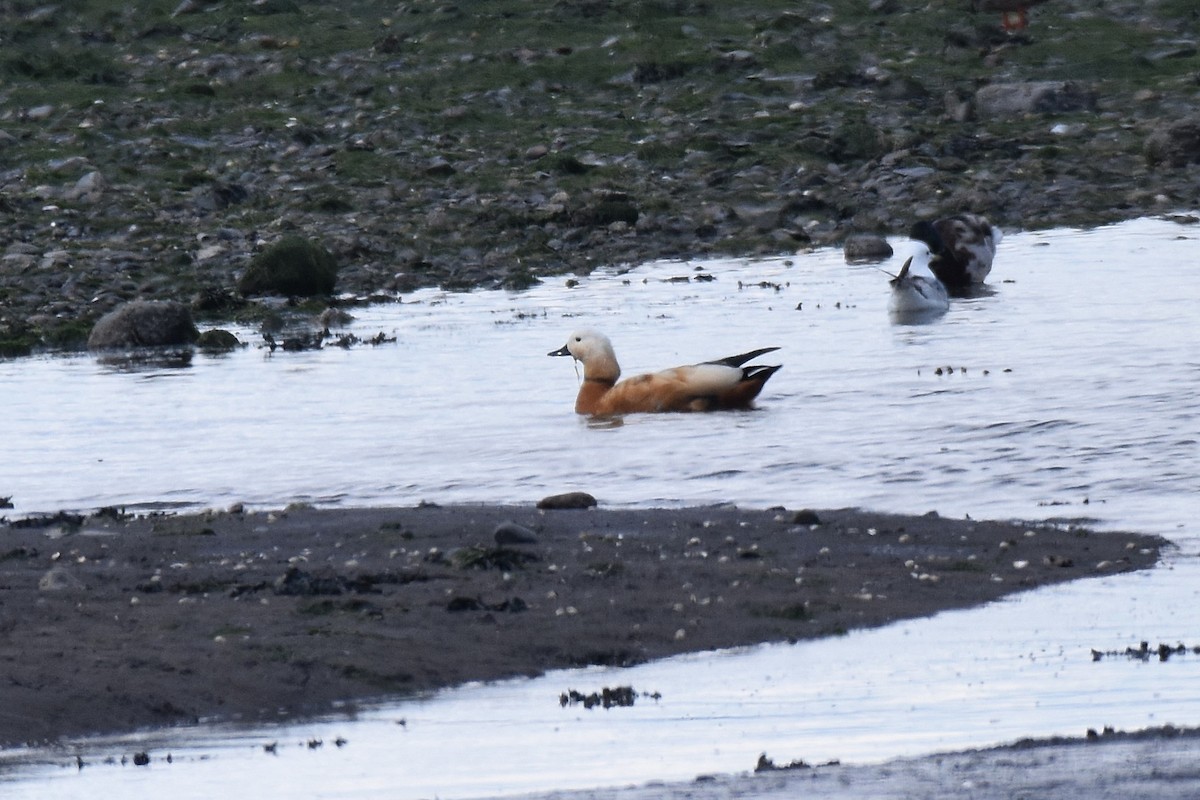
<point>705,379</point>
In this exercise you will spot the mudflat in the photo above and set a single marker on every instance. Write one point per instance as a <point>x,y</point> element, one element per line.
<point>113,622</point>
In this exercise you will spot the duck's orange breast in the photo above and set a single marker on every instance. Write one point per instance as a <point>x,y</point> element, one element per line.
<point>591,395</point>
<point>645,393</point>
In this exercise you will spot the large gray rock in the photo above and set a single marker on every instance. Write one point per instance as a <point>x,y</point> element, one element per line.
<point>1176,145</point>
<point>144,323</point>
<point>1035,97</point>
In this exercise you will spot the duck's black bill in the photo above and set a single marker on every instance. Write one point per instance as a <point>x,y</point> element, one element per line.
<point>562,351</point>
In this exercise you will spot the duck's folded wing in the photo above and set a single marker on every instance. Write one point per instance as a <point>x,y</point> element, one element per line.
<point>700,387</point>
<point>701,380</point>
<point>676,389</point>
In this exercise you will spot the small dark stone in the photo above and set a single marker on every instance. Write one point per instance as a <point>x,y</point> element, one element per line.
<point>607,211</point>
<point>866,247</point>
<point>806,516</point>
<point>439,167</point>
<point>512,533</point>
<point>457,604</point>
<point>513,605</point>
<point>217,340</point>
<point>567,500</point>
<point>141,759</point>
<point>298,582</point>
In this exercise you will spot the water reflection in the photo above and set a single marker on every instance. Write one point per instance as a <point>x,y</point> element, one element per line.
<point>150,360</point>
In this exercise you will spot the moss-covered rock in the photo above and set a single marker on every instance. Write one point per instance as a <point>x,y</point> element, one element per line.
<point>144,323</point>
<point>217,340</point>
<point>294,267</point>
<point>1175,145</point>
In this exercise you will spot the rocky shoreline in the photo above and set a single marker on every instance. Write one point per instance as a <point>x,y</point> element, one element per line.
<point>151,153</point>
<point>113,622</point>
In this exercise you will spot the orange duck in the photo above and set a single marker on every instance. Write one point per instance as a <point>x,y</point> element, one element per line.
<point>710,386</point>
<point>1014,14</point>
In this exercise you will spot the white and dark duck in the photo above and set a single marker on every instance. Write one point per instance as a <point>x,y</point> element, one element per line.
<point>916,291</point>
<point>963,247</point>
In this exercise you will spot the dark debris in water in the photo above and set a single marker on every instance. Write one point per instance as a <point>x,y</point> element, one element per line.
<point>773,285</point>
<point>765,764</point>
<point>315,340</point>
<point>113,513</point>
<point>1144,652</point>
<point>619,696</point>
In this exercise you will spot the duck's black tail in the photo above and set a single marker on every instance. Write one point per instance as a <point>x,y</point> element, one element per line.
<point>737,361</point>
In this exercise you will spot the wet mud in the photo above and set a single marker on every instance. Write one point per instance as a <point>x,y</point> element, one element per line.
<point>115,623</point>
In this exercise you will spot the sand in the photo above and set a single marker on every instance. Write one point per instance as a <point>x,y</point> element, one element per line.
<point>114,623</point>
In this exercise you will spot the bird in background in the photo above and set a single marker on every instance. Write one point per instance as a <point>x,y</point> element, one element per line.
<point>916,290</point>
<point>963,248</point>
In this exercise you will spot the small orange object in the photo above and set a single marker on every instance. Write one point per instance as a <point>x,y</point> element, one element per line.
<point>1015,20</point>
<point>1014,14</point>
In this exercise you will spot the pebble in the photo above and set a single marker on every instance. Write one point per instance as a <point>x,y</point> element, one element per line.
<point>866,247</point>
<point>512,533</point>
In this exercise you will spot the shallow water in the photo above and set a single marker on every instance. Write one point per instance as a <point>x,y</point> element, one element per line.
<point>1075,393</point>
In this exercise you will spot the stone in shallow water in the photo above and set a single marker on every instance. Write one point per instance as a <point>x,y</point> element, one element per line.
<point>144,323</point>
<point>866,247</point>
<point>567,500</point>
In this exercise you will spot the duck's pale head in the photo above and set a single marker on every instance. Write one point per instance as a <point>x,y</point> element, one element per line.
<point>585,345</point>
<point>593,350</point>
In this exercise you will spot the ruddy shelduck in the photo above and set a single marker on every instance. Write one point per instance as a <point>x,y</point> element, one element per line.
<point>710,386</point>
<point>963,245</point>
